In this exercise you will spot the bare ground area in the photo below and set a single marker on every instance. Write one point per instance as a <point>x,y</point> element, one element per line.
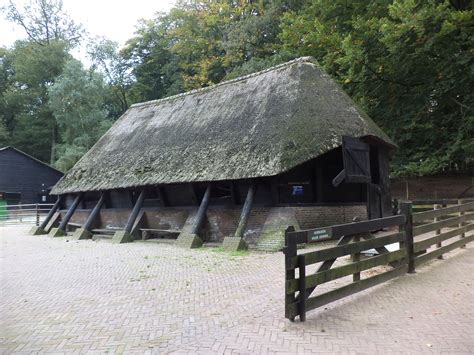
<point>61,296</point>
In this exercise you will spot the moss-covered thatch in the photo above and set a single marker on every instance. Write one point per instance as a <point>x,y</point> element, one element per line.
<point>259,125</point>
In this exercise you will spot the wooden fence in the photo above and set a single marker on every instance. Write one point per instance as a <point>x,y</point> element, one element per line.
<point>415,233</point>
<point>24,214</point>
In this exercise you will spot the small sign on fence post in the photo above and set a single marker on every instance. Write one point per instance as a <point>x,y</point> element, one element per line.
<point>320,234</point>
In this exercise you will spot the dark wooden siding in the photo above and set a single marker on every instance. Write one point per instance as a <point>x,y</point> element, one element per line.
<point>21,173</point>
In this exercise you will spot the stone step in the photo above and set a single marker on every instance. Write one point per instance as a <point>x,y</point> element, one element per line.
<point>102,236</point>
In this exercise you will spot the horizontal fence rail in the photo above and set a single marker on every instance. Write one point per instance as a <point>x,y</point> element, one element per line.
<point>431,228</point>
<point>24,214</point>
<point>444,228</point>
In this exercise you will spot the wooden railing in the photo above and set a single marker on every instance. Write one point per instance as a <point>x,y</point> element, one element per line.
<point>357,237</point>
<point>24,214</point>
<point>445,223</point>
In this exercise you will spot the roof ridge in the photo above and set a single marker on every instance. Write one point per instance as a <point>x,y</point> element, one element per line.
<point>307,59</point>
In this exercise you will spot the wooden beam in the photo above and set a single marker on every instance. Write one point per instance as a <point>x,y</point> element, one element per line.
<point>135,211</point>
<point>339,178</point>
<point>244,216</point>
<point>94,213</point>
<point>52,212</point>
<point>194,197</point>
<point>70,212</point>
<point>202,211</point>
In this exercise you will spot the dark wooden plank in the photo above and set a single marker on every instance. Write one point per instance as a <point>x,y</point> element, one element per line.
<point>135,211</point>
<point>356,228</point>
<point>446,249</point>
<point>339,178</point>
<point>331,296</point>
<point>430,227</point>
<point>345,270</point>
<point>302,288</point>
<point>201,214</point>
<point>70,211</point>
<point>426,243</point>
<point>423,216</point>
<point>94,213</point>
<point>290,252</point>
<point>51,213</point>
<point>356,160</point>
<point>352,248</point>
<point>245,214</point>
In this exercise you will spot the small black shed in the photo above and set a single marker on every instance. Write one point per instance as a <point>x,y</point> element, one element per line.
<point>24,179</point>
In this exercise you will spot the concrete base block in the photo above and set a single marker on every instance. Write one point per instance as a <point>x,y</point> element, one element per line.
<point>81,234</point>
<point>189,241</point>
<point>234,244</point>
<point>56,232</point>
<point>37,231</point>
<point>122,237</point>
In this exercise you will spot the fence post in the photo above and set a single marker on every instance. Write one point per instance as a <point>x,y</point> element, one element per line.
<point>463,235</point>
<point>290,252</point>
<point>302,287</point>
<point>438,231</point>
<point>37,216</point>
<point>406,209</point>
<point>356,258</point>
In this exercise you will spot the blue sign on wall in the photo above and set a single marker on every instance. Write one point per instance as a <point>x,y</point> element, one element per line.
<point>297,190</point>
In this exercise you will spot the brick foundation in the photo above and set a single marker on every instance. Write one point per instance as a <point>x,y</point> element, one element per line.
<point>265,228</point>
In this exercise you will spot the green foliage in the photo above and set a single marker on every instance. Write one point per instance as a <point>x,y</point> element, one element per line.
<point>408,63</point>
<point>106,58</point>
<point>28,69</point>
<point>77,102</point>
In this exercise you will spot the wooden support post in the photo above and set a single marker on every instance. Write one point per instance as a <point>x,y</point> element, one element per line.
<point>244,216</point>
<point>302,287</point>
<point>125,236</point>
<point>52,217</point>
<point>191,239</point>
<point>201,214</point>
<point>236,242</point>
<point>356,258</point>
<point>438,231</point>
<point>61,230</point>
<point>85,231</point>
<point>406,209</point>
<point>463,235</point>
<point>290,252</point>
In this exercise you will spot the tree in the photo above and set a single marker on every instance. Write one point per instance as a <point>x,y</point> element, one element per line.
<point>44,21</point>
<point>106,58</point>
<point>408,63</point>
<point>28,69</point>
<point>77,101</point>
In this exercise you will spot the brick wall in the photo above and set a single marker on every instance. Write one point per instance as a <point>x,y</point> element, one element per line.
<point>320,216</point>
<point>264,222</point>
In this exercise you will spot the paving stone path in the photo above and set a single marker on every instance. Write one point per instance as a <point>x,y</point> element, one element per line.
<point>60,296</point>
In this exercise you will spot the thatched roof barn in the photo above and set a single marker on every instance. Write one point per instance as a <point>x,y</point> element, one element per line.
<point>251,130</point>
<point>258,125</point>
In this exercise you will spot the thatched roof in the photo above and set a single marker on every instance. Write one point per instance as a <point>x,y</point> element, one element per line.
<point>259,125</point>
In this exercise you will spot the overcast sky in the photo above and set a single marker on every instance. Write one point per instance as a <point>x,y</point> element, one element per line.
<point>113,19</point>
